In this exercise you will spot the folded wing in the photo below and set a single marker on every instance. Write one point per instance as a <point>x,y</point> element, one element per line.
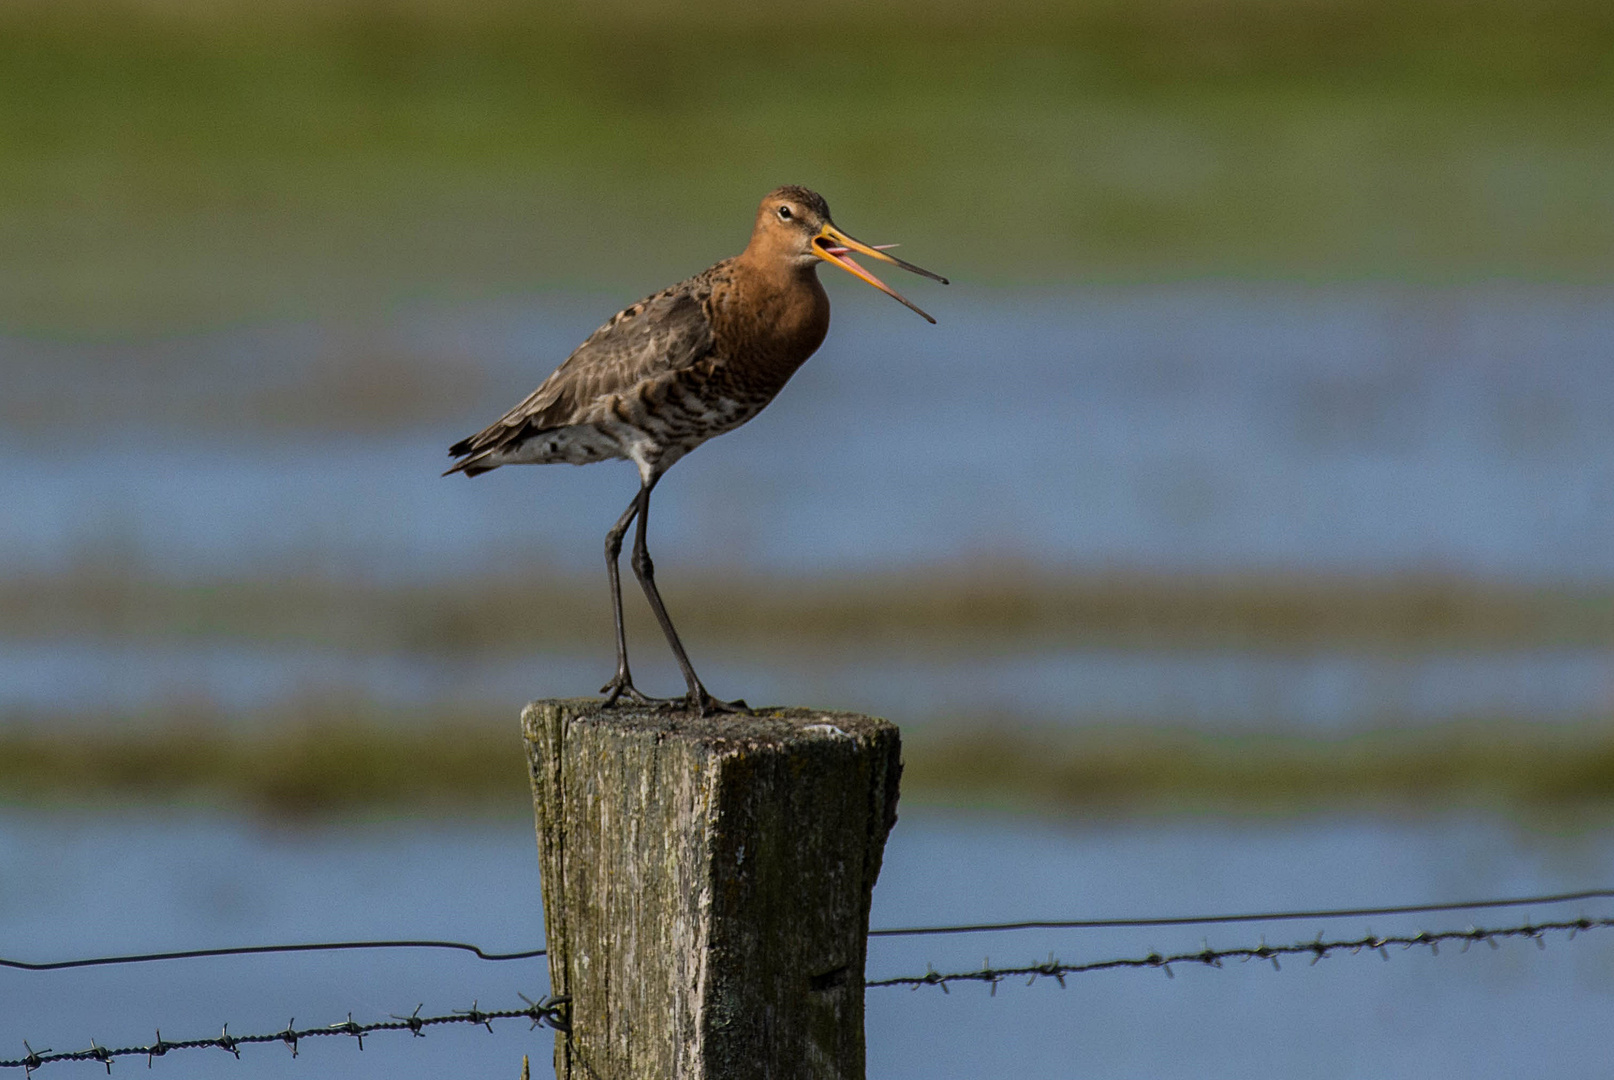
<point>665,332</point>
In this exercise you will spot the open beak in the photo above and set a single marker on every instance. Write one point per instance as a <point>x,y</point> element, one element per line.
<point>834,246</point>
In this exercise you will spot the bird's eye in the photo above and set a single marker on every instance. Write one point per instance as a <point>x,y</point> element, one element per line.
<point>784,213</point>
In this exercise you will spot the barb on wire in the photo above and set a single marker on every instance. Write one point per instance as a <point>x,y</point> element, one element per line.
<point>1316,949</point>
<point>551,1011</point>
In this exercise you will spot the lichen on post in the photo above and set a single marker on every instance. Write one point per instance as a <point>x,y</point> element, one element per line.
<point>707,884</point>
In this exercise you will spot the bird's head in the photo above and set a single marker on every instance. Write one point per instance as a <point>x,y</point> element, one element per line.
<point>793,226</point>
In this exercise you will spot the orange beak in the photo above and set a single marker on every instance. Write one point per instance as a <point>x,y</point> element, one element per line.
<point>834,246</point>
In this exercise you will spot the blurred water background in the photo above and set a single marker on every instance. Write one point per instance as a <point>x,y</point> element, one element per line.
<point>1243,535</point>
<point>1259,439</point>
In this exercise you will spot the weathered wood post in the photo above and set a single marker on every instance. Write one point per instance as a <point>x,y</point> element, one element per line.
<point>706,886</point>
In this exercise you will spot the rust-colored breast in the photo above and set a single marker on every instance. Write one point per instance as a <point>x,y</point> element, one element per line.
<point>766,327</point>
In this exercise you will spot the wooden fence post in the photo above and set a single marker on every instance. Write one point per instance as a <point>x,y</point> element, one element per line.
<point>706,886</point>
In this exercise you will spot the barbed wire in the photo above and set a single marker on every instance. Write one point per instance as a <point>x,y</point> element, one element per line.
<point>551,1011</point>
<point>1317,949</point>
<point>906,931</point>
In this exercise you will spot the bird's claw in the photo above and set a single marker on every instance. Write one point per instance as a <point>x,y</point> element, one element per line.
<point>622,686</point>
<point>703,705</point>
<point>697,701</point>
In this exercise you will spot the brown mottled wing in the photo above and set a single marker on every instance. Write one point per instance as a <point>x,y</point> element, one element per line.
<point>664,332</point>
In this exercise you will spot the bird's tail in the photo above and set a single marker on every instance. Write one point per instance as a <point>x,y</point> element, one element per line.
<point>475,465</point>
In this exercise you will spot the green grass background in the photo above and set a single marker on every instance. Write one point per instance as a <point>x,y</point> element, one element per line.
<point>173,164</point>
<point>324,759</point>
<point>165,163</point>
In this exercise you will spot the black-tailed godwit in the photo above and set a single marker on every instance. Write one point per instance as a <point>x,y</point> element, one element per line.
<point>675,369</point>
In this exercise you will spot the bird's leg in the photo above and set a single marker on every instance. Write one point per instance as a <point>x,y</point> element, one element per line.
<point>622,682</point>
<point>698,699</point>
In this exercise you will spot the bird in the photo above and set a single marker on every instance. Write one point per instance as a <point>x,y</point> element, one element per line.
<point>679,367</point>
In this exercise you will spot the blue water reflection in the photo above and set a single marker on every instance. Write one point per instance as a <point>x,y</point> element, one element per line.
<point>1360,430</point>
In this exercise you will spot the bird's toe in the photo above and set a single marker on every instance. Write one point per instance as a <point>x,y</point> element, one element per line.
<point>622,687</point>
<point>704,704</point>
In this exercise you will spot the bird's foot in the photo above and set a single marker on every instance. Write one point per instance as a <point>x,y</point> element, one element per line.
<point>622,686</point>
<point>703,704</point>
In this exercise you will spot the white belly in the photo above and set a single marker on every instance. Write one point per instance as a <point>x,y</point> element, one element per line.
<point>577,445</point>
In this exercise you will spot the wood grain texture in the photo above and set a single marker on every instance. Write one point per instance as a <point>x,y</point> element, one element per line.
<point>707,884</point>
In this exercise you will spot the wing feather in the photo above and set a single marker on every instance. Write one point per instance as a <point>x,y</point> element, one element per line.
<point>665,332</point>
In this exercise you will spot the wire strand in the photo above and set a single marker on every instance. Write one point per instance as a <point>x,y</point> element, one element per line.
<point>255,950</point>
<point>1317,949</point>
<point>550,1012</point>
<point>904,931</point>
<point>554,1012</point>
<point>1247,917</point>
